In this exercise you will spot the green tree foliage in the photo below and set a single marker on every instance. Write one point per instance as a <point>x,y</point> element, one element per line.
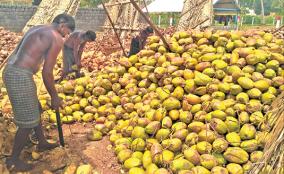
<point>276,6</point>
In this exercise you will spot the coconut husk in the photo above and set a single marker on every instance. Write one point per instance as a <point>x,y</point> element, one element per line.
<point>272,161</point>
<point>279,32</point>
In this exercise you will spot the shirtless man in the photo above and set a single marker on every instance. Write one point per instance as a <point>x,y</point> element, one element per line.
<point>72,51</point>
<point>41,44</point>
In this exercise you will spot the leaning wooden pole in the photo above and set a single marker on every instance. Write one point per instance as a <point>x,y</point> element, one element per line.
<point>150,23</point>
<point>3,63</point>
<point>278,29</point>
<point>109,18</point>
<point>146,8</point>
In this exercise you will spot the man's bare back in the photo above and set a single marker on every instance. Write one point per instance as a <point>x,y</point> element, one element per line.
<point>73,49</point>
<point>35,46</point>
<point>73,40</point>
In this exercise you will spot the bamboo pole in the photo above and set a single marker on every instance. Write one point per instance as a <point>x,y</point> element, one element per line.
<point>278,29</point>
<point>118,3</point>
<point>150,23</point>
<point>146,8</point>
<point>5,100</point>
<point>122,28</point>
<point>200,23</point>
<point>197,5</point>
<point>3,63</point>
<point>114,28</point>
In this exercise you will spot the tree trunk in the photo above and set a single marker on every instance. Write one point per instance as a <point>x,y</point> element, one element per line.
<point>262,12</point>
<point>49,9</point>
<point>196,14</point>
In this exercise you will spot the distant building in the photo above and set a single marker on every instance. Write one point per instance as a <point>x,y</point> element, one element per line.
<point>227,12</point>
<point>226,7</point>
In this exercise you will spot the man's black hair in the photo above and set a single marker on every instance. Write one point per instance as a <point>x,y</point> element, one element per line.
<point>91,35</point>
<point>149,30</point>
<point>65,19</point>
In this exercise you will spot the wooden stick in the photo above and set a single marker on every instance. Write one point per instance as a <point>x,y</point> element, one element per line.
<point>278,29</point>
<point>122,28</point>
<point>150,23</point>
<point>146,8</point>
<point>109,18</point>
<point>182,14</point>
<point>200,23</point>
<point>4,62</point>
<point>59,128</point>
<point>118,3</point>
<point>5,100</point>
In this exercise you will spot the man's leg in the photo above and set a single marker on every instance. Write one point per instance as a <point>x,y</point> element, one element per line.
<point>43,145</point>
<point>21,139</point>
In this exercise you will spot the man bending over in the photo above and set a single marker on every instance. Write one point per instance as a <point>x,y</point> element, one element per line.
<point>41,44</point>
<point>72,52</point>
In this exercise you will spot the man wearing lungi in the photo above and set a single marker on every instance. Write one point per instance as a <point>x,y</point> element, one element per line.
<point>41,44</point>
<point>72,51</point>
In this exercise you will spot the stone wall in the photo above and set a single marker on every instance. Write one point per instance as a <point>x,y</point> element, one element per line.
<point>90,19</point>
<point>14,18</point>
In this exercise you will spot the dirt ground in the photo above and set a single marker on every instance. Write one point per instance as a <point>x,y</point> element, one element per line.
<point>78,150</point>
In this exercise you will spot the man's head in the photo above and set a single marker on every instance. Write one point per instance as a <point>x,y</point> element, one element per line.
<point>90,36</point>
<point>65,24</point>
<point>147,31</point>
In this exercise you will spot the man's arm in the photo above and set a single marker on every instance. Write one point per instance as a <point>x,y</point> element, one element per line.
<point>80,52</point>
<point>77,52</point>
<point>47,72</point>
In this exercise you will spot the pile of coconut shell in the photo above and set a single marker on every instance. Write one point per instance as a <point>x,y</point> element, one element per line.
<point>103,52</point>
<point>200,106</point>
<point>8,41</point>
<point>7,132</point>
<point>279,33</point>
<point>106,50</point>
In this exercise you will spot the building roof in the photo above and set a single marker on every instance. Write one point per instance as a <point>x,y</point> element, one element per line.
<point>223,7</point>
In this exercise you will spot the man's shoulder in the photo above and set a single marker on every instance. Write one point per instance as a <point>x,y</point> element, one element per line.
<point>49,34</point>
<point>75,33</point>
<point>42,31</point>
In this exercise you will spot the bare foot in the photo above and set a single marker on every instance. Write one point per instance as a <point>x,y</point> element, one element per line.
<point>46,146</point>
<point>18,165</point>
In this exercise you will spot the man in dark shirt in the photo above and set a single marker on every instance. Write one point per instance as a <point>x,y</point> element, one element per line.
<point>138,42</point>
